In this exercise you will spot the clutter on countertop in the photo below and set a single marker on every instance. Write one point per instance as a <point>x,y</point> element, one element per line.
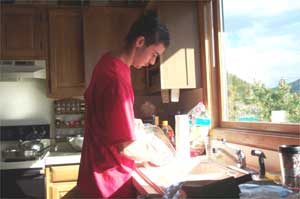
<point>199,126</point>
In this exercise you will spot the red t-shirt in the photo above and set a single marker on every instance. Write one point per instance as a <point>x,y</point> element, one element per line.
<point>109,121</point>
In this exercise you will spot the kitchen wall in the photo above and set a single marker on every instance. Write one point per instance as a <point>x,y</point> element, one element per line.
<point>166,111</point>
<point>24,103</point>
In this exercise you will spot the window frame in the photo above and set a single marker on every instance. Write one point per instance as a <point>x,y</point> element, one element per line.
<point>236,132</point>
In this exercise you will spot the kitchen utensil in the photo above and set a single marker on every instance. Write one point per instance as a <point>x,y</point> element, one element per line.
<point>27,150</point>
<point>36,145</point>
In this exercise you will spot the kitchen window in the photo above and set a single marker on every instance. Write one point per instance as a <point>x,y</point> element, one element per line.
<point>253,53</point>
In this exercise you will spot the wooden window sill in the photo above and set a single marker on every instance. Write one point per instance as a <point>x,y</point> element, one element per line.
<point>259,139</point>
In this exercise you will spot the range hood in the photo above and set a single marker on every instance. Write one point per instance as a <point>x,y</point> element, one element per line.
<point>15,70</point>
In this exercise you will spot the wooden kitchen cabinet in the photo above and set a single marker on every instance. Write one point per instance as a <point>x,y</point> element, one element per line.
<point>23,32</point>
<point>153,84</point>
<point>105,28</point>
<point>146,81</point>
<point>180,64</point>
<point>60,180</point>
<point>66,62</point>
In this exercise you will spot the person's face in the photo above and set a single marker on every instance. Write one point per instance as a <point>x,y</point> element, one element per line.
<point>147,55</point>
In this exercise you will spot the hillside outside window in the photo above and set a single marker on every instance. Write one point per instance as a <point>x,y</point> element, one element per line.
<point>259,61</point>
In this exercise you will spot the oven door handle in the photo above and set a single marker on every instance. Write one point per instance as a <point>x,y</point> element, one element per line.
<point>32,174</point>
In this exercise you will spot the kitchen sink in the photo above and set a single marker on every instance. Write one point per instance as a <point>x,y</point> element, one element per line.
<point>196,169</point>
<point>62,147</point>
<point>209,170</point>
<point>207,179</point>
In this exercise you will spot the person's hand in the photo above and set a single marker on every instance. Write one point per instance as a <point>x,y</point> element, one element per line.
<point>139,128</point>
<point>147,147</point>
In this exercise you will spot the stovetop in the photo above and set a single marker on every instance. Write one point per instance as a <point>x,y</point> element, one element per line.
<point>11,136</point>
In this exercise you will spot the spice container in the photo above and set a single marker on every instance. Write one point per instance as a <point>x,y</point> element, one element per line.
<point>69,117</point>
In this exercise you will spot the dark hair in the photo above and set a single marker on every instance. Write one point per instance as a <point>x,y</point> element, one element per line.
<point>149,26</point>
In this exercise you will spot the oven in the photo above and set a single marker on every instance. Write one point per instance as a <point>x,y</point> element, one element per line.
<point>23,177</point>
<point>22,183</point>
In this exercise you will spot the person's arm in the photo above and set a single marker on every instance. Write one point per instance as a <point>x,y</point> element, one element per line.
<point>122,130</point>
<point>142,150</point>
<point>138,149</point>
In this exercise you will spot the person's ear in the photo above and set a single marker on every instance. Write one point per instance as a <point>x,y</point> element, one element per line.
<point>140,41</point>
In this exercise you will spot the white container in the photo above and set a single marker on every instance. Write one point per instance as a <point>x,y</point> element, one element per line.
<point>182,137</point>
<point>278,116</point>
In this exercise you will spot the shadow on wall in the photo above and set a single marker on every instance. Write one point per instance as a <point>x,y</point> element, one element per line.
<point>187,100</point>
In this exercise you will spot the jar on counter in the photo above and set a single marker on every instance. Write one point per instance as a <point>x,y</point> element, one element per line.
<point>290,166</point>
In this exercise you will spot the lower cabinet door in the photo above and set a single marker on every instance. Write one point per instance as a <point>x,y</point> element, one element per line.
<point>60,180</point>
<point>60,189</point>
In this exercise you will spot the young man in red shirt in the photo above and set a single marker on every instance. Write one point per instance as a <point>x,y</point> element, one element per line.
<point>108,154</point>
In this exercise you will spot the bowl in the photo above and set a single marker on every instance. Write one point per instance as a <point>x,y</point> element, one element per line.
<point>76,142</point>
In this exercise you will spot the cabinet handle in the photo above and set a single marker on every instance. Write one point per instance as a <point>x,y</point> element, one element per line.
<point>186,67</point>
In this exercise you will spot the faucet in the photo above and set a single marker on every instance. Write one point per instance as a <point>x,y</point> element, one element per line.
<point>261,156</point>
<point>239,155</point>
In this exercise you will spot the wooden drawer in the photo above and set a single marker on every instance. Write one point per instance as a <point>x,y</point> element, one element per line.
<point>60,189</point>
<point>64,173</point>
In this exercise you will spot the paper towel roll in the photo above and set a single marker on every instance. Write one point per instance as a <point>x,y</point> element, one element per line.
<point>182,137</point>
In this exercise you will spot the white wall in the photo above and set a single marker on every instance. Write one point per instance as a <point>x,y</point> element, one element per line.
<point>25,103</point>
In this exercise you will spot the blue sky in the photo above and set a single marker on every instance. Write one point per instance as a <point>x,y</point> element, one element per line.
<point>262,40</point>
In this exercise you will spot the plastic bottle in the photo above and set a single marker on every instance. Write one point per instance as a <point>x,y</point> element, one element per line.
<point>168,131</point>
<point>199,136</point>
<point>199,127</point>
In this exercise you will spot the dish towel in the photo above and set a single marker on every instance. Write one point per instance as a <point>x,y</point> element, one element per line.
<point>255,191</point>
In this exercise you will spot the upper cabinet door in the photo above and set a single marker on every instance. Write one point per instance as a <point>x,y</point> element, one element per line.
<point>66,64</point>
<point>23,32</point>
<point>180,64</point>
<point>105,29</point>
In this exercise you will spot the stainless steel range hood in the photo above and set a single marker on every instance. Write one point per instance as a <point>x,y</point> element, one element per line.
<point>15,70</point>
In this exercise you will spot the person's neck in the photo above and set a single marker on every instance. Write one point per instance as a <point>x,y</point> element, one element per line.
<point>124,54</point>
